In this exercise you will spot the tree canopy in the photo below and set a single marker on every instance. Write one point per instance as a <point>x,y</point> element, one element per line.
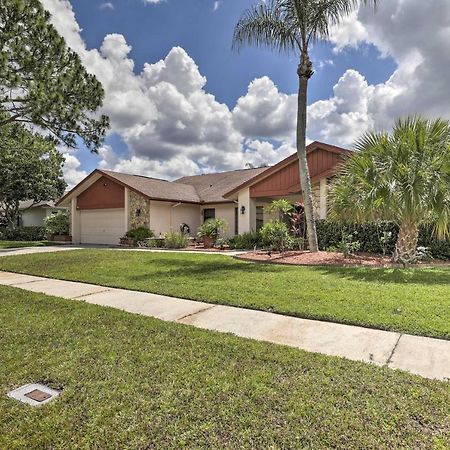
<point>42,81</point>
<point>31,169</point>
<point>403,177</point>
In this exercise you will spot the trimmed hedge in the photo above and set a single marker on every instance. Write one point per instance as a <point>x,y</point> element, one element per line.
<point>22,234</point>
<point>369,235</point>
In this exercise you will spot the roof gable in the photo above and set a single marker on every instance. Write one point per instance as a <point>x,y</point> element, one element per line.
<point>283,177</point>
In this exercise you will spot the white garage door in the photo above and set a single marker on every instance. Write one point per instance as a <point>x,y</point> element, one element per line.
<point>102,226</point>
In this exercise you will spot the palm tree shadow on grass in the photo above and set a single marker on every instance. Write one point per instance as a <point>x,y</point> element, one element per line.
<point>419,276</point>
<point>207,268</point>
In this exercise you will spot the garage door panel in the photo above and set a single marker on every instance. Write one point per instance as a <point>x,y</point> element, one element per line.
<point>102,226</point>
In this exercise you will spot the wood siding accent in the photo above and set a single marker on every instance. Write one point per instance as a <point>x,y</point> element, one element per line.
<point>103,194</point>
<point>286,181</point>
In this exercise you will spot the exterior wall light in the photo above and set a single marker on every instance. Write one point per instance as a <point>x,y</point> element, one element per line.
<point>242,209</point>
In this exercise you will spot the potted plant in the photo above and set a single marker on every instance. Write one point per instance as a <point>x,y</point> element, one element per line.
<point>57,227</point>
<point>210,231</point>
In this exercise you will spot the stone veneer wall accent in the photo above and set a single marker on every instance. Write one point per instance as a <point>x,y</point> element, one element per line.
<point>136,202</point>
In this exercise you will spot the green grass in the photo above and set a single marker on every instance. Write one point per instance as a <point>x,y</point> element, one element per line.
<point>416,301</point>
<point>133,382</point>
<point>21,244</point>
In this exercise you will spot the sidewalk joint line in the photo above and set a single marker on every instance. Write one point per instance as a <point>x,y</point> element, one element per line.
<point>27,282</point>
<point>91,293</point>
<point>389,360</point>
<point>196,312</point>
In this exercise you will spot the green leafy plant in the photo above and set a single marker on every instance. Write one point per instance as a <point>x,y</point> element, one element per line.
<point>139,235</point>
<point>57,224</point>
<point>250,240</point>
<point>221,243</point>
<point>281,207</point>
<point>212,228</point>
<point>348,245</point>
<point>23,234</point>
<point>275,236</point>
<point>173,239</point>
<point>385,239</point>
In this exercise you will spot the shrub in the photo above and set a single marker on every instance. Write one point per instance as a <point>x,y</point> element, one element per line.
<point>212,228</point>
<point>246,241</point>
<point>379,237</point>
<point>57,224</point>
<point>275,235</point>
<point>349,246</point>
<point>23,234</point>
<point>139,234</point>
<point>173,239</point>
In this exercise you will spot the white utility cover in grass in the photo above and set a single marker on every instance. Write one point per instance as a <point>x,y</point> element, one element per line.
<point>102,226</point>
<point>26,393</point>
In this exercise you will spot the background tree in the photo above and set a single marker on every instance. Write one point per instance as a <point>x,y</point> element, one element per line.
<point>42,81</point>
<point>31,169</point>
<point>293,25</point>
<point>403,177</point>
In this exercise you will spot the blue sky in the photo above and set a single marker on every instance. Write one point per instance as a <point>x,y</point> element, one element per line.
<point>151,57</point>
<point>206,34</point>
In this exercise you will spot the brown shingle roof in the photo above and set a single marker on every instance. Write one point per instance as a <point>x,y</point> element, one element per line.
<point>156,188</point>
<point>208,188</point>
<point>211,187</point>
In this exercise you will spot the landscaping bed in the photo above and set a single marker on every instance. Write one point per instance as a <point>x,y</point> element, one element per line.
<point>129,381</point>
<point>415,301</point>
<point>322,258</point>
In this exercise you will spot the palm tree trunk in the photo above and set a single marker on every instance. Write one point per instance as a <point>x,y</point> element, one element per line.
<point>406,245</point>
<point>305,72</point>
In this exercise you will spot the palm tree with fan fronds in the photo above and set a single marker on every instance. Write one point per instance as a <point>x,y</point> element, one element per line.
<point>293,25</point>
<point>403,177</point>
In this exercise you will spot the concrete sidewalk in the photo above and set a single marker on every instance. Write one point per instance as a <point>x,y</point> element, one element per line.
<point>423,356</point>
<point>57,248</point>
<point>31,250</point>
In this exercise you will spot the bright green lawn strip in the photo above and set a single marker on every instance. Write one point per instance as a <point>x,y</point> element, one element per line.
<point>135,382</point>
<point>20,244</point>
<point>414,301</point>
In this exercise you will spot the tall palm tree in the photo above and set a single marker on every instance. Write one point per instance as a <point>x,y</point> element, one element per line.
<point>402,177</point>
<point>293,25</point>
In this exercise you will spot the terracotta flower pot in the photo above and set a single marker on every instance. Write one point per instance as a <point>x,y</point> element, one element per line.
<point>208,241</point>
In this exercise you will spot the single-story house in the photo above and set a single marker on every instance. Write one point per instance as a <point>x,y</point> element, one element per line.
<point>33,214</point>
<point>106,204</point>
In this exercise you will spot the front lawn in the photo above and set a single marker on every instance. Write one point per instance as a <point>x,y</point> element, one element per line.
<point>135,382</point>
<point>416,301</point>
<point>21,244</point>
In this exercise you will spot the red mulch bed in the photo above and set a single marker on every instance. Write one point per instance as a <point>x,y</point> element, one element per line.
<point>305,258</point>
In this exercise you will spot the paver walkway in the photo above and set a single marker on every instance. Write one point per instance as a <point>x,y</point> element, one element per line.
<point>423,356</point>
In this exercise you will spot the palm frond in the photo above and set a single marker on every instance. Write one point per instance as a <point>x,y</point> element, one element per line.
<point>402,176</point>
<point>324,13</point>
<point>266,25</point>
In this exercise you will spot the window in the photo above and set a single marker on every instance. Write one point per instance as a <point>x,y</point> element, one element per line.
<point>209,213</point>
<point>259,217</point>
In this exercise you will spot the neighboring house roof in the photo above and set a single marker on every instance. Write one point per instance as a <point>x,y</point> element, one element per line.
<point>212,187</point>
<point>30,204</point>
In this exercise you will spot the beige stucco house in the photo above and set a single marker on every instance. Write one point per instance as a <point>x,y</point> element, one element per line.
<point>106,204</point>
